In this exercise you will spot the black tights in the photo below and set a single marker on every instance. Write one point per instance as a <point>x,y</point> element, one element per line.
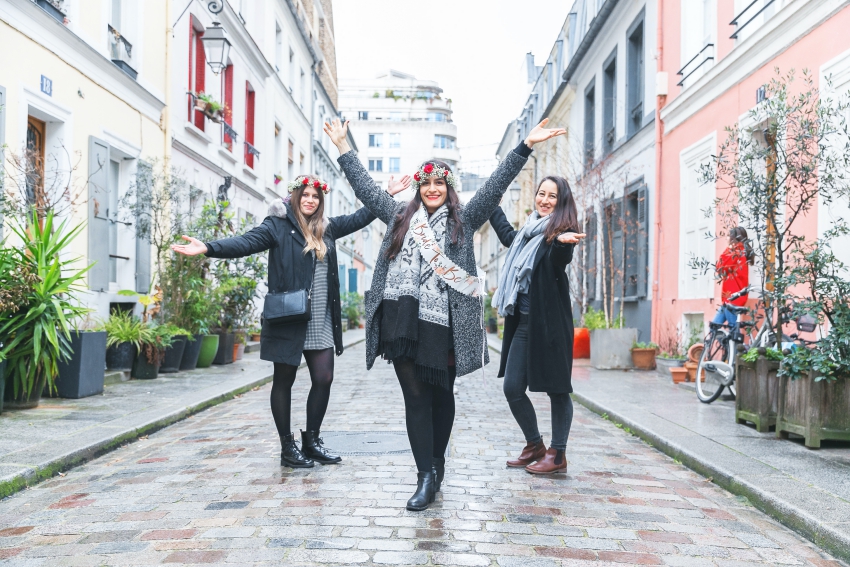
<point>321,366</point>
<point>429,412</point>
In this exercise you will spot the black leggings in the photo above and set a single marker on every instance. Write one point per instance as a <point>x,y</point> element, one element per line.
<point>321,366</point>
<point>429,412</point>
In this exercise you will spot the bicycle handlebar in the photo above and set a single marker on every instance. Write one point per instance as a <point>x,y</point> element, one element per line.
<point>738,294</point>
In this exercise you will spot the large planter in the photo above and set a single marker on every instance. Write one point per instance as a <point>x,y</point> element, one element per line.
<point>82,375</point>
<point>174,354</point>
<point>581,343</point>
<point>664,365</point>
<point>121,356</point>
<point>691,368</point>
<point>757,392</point>
<point>144,369</point>
<point>191,353</point>
<point>492,325</point>
<point>21,401</point>
<point>209,348</point>
<point>2,382</point>
<point>225,348</point>
<point>815,410</point>
<point>611,348</point>
<point>644,358</point>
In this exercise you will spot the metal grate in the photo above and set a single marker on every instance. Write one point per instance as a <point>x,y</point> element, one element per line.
<point>367,443</point>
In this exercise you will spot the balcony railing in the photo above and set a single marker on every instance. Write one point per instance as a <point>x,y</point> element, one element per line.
<point>249,149</point>
<point>705,55</point>
<point>749,13</point>
<point>229,131</point>
<point>121,51</point>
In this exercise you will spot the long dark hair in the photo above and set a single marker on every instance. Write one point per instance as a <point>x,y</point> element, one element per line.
<point>739,234</point>
<point>312,227</point>
<point>564,217</point>
<point>402,219</point>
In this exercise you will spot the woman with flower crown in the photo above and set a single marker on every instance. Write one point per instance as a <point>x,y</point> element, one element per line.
<point>423,311</point>
<point>302,256</point>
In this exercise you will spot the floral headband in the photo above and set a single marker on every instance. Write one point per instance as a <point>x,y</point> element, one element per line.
<point>431,170</point>
<point>304,180</point>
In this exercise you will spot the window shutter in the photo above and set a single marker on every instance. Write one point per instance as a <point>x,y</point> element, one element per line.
<point>200,75</point>
<point>98,223</point>
<point>228,102</point>
<point>143,245</point>
<point>591,251</point>
<point>642,241</point>
<point>613,246</point>
<point>249,123</point>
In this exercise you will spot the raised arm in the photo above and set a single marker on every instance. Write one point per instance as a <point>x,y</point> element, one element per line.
<point>503,228</point>
<point>482,204</point>
<point>257,239</point>
<point>373,197</point>
<point>344,225</point>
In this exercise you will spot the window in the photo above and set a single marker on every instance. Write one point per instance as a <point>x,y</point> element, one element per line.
<point>590,245</point>
<point>694,199</point>
<point>376,165</point>
<point>609,103</point>
<point>112,215</point>
<point>625,243</point>
<point>750,15</point>
<point>395,140</point>
<point>395,116</point>
<point>444,142</point>
<point>303,90</point>
<point>362,115</point>
<point>228,105</point>
<point>291,71</point>
<point>698,27</point>
<point>437,117</point>
<point>291,161</point>
<point>634,78</point>
<point>249,124</point>
<point>589,123</point>
<point>197,70</point>
<point>395,165</point>
<point>34,159</point>
<point>376,140</point>
<point>278,47</point>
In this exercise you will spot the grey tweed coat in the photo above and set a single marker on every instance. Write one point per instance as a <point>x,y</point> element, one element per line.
<point>469,337</point>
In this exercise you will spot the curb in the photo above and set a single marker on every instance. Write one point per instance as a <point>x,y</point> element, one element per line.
<point>825,537</point>
<point>54,466</point>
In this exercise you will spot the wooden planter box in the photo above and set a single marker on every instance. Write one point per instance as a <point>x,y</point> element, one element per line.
<point>815,410</point>
<point>757,396</point>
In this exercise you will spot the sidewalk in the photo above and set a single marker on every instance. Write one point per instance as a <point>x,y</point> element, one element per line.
<point>61,433</point>
<point>807,490</point>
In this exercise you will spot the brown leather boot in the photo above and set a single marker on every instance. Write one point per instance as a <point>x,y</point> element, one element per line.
<point>532,452</point>
<point>553,461</point>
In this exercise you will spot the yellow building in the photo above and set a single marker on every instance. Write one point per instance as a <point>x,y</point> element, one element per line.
<point>82,100</point>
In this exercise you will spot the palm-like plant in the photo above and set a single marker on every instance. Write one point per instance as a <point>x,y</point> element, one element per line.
<point>37,336</point>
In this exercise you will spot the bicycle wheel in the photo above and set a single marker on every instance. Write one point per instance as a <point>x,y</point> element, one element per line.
<point>709,387</point>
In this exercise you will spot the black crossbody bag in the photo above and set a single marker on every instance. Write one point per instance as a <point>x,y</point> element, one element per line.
<point>289,306</point>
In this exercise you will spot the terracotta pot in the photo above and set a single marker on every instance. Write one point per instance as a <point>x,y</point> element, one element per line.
<point>238,351</point>
<point>679,374</point>
<point>695,352</point>
<point>581,343</point>
<point>644,358</point>
<point>255,337</point>
<point>691,369</point>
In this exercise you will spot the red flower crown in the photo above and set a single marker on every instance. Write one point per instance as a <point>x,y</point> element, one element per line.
<point>431,170</point>
<point>305,180</point>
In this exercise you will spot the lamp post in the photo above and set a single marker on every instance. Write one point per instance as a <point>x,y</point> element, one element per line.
<point>216,44</point>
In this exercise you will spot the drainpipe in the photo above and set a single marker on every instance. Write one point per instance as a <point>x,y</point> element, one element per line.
<point>166,112</point>
<point>659,136</point>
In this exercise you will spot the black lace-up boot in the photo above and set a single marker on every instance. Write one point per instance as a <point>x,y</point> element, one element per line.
<point>311,445</point>
<point>291,455</point>
<point>425,491</point>
<point>439,470</point>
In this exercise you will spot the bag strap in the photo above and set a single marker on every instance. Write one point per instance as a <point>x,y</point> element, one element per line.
<point>456,277</point>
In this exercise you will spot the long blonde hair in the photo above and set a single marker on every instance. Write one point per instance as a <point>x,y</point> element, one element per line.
<point>312,227</point>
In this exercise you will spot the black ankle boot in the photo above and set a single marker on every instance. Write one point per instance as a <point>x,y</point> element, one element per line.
<point>439,470</point>
<point>311,445</point>
<point>425,491</point>
<point>291,455</point>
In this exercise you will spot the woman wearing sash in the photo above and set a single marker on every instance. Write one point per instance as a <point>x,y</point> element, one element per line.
<point>423,311</point>
<point>534,297</point>
<point>302,256</point>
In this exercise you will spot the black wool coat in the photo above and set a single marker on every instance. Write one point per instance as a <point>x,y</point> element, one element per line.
<point>550,321</point>
<point>290,270</point>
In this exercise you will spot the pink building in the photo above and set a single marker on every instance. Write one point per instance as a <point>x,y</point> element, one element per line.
<point>712,70</point>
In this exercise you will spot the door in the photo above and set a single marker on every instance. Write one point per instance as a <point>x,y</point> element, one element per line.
<point>34,161</point>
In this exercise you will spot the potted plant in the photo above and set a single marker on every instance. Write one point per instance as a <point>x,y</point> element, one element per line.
<point>36,338</point>
<point>610,343</point>
<point>757,387</point>
<point>352,308</point>
<point>209,106</point>
<point>16,283</point>
<point>82,374</point>
<point>2,380</point>
<point>255,334</point>
<point>173,355</point>
<point>155,339</point>
<point>643,355</point>
<point>491,314</point>
<point>123,339</point>
<point>239,345</point>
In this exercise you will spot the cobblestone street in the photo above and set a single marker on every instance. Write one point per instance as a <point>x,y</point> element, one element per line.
<point>209,490</point>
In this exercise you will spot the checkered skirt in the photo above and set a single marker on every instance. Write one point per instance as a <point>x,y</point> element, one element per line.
<point>320,327</point>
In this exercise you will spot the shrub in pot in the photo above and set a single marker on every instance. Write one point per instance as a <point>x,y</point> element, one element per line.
<point>208,350</point>
<point>239,345</point>
<point>123,339</point>
<point>155,339</point>
<point>82,374</point>
<point>173,354</point>
<point>36,337</point>
<point>643,355</point>
<point>226,344</point>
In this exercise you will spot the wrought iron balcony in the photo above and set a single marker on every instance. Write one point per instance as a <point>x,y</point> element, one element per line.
<point>748,14</point>
<point>121,52</point>
<point>697,62</point>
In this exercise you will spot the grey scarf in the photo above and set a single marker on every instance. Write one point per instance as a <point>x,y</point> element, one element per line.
<point>519,262</point>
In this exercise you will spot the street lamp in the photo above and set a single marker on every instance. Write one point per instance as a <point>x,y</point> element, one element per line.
<point>216,47</point>
<point>365,233</point>
<point>515,190</point>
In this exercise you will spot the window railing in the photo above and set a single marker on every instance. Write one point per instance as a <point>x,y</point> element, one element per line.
<point>250,149</point>
<point>747,13</point>
<point>229,131</point>
<point>705,55</point>
<point>120,48</point>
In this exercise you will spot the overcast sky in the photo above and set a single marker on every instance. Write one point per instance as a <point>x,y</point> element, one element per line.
<point>473,48</point>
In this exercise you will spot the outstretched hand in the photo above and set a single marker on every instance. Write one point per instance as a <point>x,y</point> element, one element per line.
<point>570,237</point>
<point>194,247</point>
<point>540,133</point>
<point>394,187</point>
<point>338,133</point>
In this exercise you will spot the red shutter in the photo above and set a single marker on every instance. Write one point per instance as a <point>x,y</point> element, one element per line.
<point>191,67</point>
<point>200,75</point>
<point>249,123</point>
<point>228,103</point>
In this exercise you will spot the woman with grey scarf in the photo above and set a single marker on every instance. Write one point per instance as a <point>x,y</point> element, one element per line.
<point>534,297</point>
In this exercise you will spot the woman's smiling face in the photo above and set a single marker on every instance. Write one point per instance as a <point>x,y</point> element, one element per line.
<point>433,191</point>
<point>546,198</point>
<point>309,201</point>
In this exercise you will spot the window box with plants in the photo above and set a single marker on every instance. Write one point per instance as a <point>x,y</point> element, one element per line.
<point>210,107</point>
<point>643,355</point>
<point>610,343</point>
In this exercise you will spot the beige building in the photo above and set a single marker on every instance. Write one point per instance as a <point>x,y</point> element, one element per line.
<point>82,103</point>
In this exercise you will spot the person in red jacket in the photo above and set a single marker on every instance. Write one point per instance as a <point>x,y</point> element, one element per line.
<point>734,273</point>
